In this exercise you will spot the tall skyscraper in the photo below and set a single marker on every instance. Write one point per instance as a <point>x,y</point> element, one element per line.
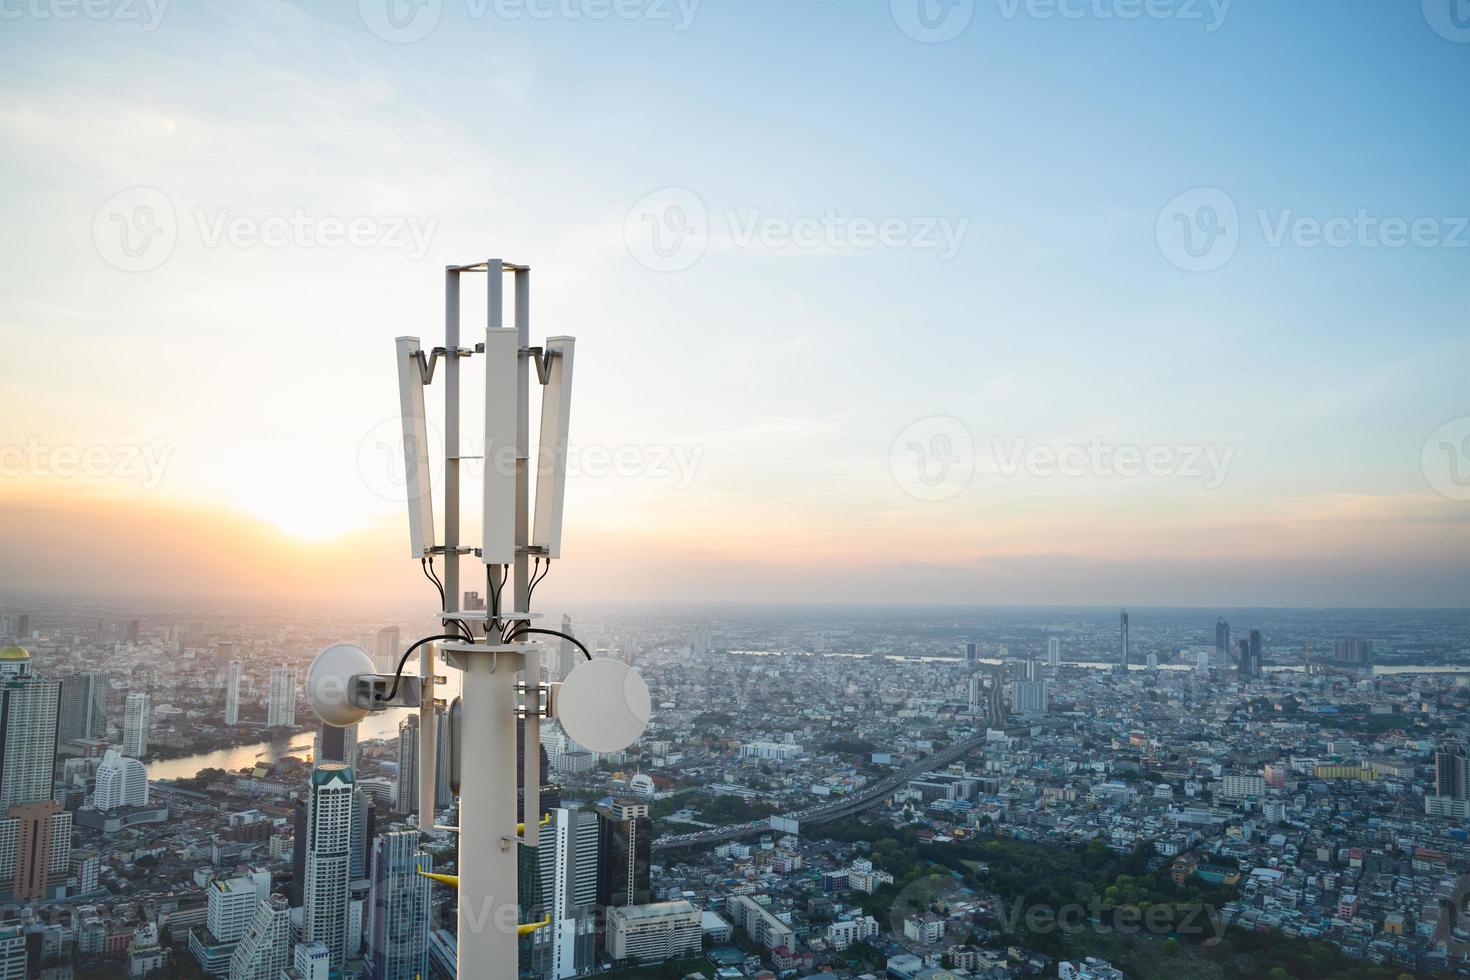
<point>566,883</point>
<point>132,633</point>
<point>385,649</point>
<point>408,765</point>
<point>29,710</point>
<point>1054,651</point>
<point>408,762</point>
<point>972,655</point>
<point>35,832</point>
<point>23,627</point>
<point>83,706</point>
<point>232,693</point>
<point>333,744</point>
<point>281,712</point>
<point>1255,646</point>
<point>1243,666</point>
<point>1222,640</point>
<point>442,793</point>
<point>135,725</point>
<point>364,830</point>
<point>328,858</point>
<point>397,926</point>
<point>1123,631</point>
<point>265,948</point>
<point>624,853</point>
<point>566,653</point>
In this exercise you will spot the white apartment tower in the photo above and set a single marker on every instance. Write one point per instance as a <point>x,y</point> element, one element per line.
<point>326,895</point>
<point>135,725</point>
<point>282,710</point>
<point>232,694</point>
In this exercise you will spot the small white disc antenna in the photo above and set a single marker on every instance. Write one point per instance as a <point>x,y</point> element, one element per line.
<point>328,680</point>
<point>604,705</point>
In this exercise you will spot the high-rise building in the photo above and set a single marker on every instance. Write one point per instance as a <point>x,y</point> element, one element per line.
<point>1054,651</point>
<point>265,948</point>
<point>972,655</point>
<point>121,782</point>
<point>364,829</point>
<point>35,831</point>
<point>281,712</point>
<point>83,706</point>
<point>1452,772</point>
<point>624,853</point>
<point>23,627</point>
<point>29,711</point>
<point>474,602</point>
<point>333,744</point>
<point>1123,632</point>
<point>232,693</point>
<point>396,929</point>
<point>1222,640</point>
<point>1029,698</point>
<point>132,633</point>
<point>135,725</point>
<point>1357,653</point>
<point>408,765</point>
<point>653,933</point>
<point>1255,658</point>
<point>442,792</point>
<point>385,649</point>
<point>328,858</point>
<point>566,654</point>
<point>566,890</point>
<point>408,762</point>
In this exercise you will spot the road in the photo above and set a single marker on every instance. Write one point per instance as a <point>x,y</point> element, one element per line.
<point>867,797</point>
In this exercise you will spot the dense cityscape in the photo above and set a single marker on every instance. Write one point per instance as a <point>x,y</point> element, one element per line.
<point>911,793</point>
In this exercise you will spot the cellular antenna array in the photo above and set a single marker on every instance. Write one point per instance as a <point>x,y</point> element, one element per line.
<point>603,705</point>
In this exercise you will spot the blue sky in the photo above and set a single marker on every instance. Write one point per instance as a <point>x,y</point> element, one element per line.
<point>1053,148</point>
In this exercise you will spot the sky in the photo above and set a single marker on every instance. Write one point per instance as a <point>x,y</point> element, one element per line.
<point>976,301</point>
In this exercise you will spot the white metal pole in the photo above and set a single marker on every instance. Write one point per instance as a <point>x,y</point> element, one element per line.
<point>488,899</point>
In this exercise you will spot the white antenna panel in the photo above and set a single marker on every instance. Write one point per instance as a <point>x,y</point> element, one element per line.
<point>551,469</point>
<point>502,355</point>
<point>416,482</point>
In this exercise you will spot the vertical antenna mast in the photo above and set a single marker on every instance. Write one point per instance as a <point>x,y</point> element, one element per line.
<point>604,705</point>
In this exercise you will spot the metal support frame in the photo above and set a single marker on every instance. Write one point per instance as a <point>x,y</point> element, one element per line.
<point>487,879</point>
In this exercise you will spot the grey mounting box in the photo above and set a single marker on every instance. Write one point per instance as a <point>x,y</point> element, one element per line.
<point>369,690</point>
